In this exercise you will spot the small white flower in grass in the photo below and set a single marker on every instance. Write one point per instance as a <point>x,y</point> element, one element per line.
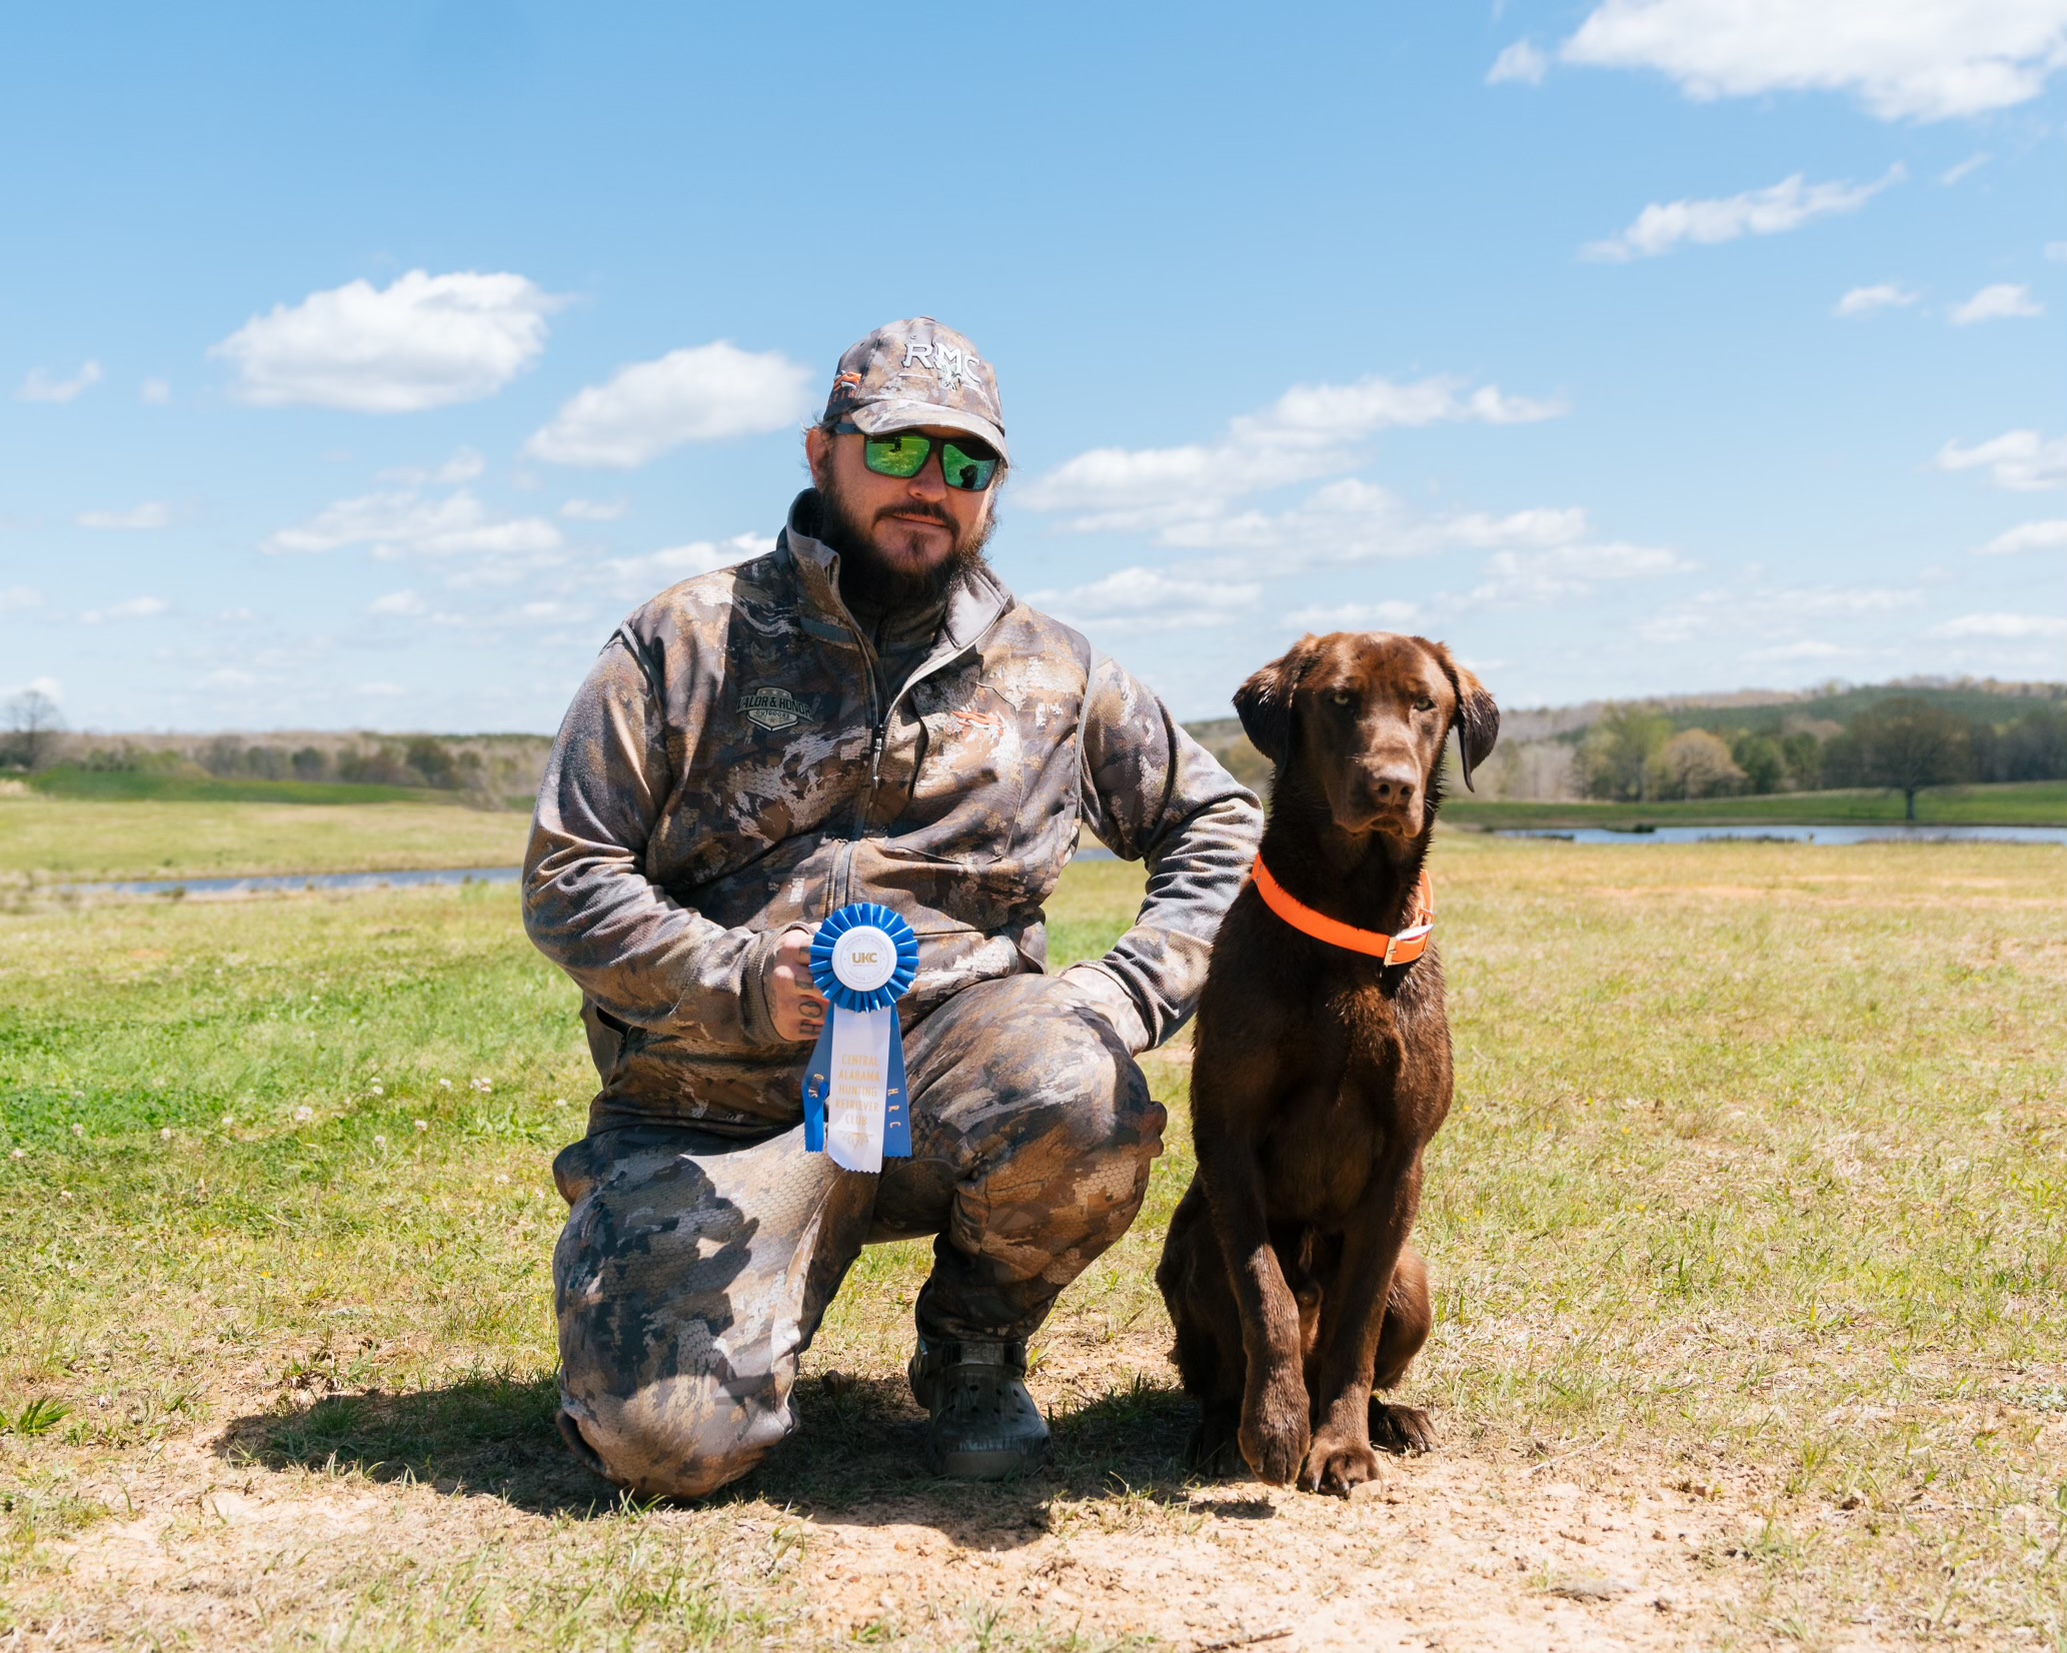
<point>18,1154</point>
<point>379,1141</point>
<point>559,1101</point>
<point>304,1115</point>
<point>483,1086</point>
<point>499,1177</point>
<point>78,1130</point>
<point>423,1124</point>
<point>64,1193</point>
<point>227,1122</point>
<point>444,1084</point>
<point>377,1091</point>
<point>165,1134</point>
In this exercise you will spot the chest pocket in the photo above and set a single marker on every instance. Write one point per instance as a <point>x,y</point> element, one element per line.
<point>970,773</point>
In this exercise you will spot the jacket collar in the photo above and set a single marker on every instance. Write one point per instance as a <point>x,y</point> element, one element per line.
<point>973,606</point>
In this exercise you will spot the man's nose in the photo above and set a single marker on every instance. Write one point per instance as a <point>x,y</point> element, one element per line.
<point>931,481</point>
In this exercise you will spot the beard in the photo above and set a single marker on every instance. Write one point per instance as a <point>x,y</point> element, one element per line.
<point>870,579</point>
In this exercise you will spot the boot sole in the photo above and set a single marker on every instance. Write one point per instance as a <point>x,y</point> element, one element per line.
<point>984,1463</point>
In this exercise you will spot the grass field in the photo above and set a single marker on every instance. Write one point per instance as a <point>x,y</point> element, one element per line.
<point>1749,1239</point>
<point>45,839</point>
<point>2023,803</point>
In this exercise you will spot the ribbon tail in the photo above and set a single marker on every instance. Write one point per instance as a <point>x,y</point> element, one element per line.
<point>818,1080</point>
<point>896,1109</point>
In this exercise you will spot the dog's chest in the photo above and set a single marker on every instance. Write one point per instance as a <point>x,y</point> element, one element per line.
<point>1337,1111</point>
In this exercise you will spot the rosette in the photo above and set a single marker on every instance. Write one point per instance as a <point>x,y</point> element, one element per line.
<point>863,959</point>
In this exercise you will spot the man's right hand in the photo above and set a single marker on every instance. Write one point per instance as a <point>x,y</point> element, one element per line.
<point>794,1003</point>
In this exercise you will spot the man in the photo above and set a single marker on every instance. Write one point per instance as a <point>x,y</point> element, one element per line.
<point>864,714</point>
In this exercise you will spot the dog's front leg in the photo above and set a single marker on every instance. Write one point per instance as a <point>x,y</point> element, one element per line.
<point>1352,1315</point>
<point>1276,1428</point>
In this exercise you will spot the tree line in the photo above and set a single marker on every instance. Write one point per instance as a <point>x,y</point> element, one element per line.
<point>1637,754</point>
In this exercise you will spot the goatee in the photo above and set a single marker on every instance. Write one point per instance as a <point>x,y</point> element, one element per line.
<point>870,580</point>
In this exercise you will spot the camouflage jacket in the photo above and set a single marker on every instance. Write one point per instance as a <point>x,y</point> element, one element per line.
<point>725,773</point>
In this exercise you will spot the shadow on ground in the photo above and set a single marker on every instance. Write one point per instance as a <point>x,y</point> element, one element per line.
<point>857,1457</point>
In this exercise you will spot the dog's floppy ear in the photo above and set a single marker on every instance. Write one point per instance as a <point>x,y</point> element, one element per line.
<point>1264,703</point>
<point>1477,720</point>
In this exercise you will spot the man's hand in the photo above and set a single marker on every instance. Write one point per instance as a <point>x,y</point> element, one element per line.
<point>794,1003</point>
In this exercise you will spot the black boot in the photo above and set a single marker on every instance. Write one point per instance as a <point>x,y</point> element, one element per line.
<point>985,1425</point>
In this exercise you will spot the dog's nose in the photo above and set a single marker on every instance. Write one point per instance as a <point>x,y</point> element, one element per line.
<point>1394,788</point>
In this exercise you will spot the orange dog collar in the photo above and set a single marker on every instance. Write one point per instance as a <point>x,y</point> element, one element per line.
<point>1403,948</point>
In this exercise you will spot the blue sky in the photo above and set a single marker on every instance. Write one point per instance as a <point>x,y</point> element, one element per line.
<point>360,367</point>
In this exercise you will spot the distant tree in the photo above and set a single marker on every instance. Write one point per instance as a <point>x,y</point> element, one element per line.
<point>33,726</point>
<point>1694,764</point>
<point>1615,757</point>
<point>2034,747</point>
<point>1907,745</point>
<point>310,764</point>
<point>1763,762</point>
<point>432,759</point>
<point>1803,754</point>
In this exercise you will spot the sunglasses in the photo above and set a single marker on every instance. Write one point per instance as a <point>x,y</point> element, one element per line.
<point>964,463</point>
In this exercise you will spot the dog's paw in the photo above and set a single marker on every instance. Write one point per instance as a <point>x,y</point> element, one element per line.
<point>1215,1449</point>
<point>1338,1463</point>
<point>1275,1434</point>
<point>1401,1428</point>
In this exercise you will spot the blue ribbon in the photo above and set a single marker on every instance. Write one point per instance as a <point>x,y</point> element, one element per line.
<point>818,1076</point>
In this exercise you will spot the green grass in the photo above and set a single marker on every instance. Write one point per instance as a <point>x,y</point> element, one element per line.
<point>1754,1188</point>
<point>2025,803</point>
<point>44,839</point>
<point>133,786</point>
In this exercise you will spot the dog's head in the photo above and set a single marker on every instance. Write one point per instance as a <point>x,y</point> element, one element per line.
<point>1360,719</point>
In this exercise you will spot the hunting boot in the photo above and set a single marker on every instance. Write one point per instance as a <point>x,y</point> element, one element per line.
<point>985,1425</point>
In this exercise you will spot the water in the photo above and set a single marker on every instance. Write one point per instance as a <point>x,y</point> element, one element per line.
<point>1768,833</point>
<point>299,881</point>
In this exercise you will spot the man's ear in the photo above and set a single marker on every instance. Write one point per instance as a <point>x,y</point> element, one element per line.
<point>1477,718</point>
<point>1264,703</point>
<point>818,454</point>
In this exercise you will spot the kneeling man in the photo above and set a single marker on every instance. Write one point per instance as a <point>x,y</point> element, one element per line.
<point>864,714</point>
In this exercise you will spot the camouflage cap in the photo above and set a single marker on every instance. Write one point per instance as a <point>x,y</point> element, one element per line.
<point>914,373</point>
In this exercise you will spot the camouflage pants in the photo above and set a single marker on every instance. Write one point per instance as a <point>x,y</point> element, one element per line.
<point>694,1269</point>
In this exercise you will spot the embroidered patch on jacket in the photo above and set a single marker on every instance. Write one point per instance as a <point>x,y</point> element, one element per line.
<point>770,708</point>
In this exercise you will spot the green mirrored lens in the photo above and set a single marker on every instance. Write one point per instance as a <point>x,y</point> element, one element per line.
<point>964,470</point>
<point>900,455</point>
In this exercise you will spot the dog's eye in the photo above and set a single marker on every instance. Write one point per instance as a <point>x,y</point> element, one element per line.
<point>1424,704</point>
<point>1340,697</point>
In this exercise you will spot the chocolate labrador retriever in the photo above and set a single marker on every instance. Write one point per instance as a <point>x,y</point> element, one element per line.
<point>1321,1070</point>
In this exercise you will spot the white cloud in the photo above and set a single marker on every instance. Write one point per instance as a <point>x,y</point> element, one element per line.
<point>657,570</point>
<point>1310,431</point>
<point>228,677</point>
<point>1526,578</point>
<point>136,608</point>
<point>2008,626</point>
<point>2056,251</point>
<point>383,691</point>
<point>151,514</point>
<point>14,598</point>
<point>1522,62</point>
<point>463,466</point>
<point>1808,648</point>
<point>1148,600</point>
<point>41,387</point>
<point>1966,168</point>
<point>424,342</point>
<point>594,510</point>
<point>1863,300</point>
<point>397,604</point>
<point>1379,616</point>
<point>156,391</point>
<point>2020,460</point>
<point>2003,301</point>
<point>397,524</point>
<point>1784,206</point>
<point>1772,612</point>
<point>1904,59</point>
<point>706,394</point>
<point>2030,536</point>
